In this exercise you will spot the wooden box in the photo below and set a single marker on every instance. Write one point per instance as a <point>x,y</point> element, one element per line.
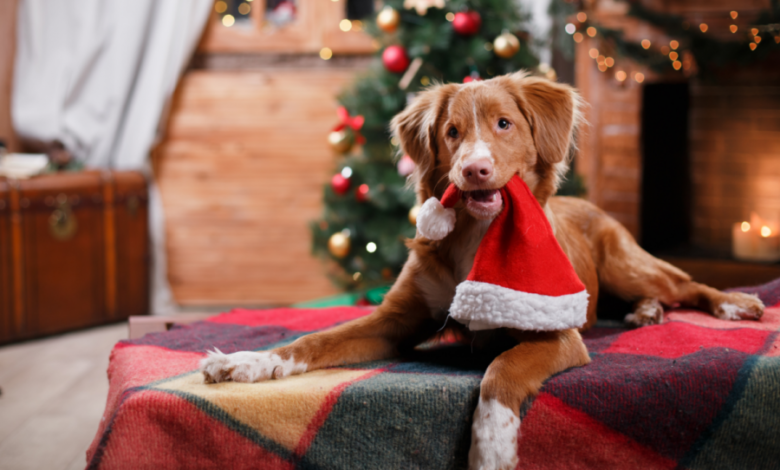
<point>74,252</point>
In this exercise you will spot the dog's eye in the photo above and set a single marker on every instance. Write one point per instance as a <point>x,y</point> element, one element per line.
<point>503,123</point>
<point>453,132</point>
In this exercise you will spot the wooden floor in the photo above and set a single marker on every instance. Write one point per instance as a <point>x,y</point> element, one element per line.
<point>53,396</point>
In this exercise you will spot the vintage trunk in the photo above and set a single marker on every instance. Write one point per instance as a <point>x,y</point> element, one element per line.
<point>74,252</point>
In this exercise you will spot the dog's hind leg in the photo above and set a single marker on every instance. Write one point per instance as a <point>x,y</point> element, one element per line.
<point>511,378</point>
<point>629,272</point>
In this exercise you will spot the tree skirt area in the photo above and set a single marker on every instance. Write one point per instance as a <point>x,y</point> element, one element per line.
<point>694,392</point>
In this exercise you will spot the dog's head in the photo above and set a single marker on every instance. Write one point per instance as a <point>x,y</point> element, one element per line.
<point>479,135</point>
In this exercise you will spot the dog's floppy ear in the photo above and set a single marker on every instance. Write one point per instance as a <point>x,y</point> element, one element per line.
<point>553,111</point>
<point>415,128</point>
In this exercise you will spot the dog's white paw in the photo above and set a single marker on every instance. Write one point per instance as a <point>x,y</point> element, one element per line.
<point>740,306</point>
<point>493,437</point>
<point>247,366</point>
<point>647,312</point>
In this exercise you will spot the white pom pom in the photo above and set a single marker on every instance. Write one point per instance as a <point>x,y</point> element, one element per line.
<point>434,221</point>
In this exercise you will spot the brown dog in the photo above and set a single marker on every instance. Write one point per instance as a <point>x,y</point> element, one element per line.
<point>478,136</point>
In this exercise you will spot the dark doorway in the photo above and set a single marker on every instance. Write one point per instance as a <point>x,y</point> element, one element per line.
<point>666,175</point>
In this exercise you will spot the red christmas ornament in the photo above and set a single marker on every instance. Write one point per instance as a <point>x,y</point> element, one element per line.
<point>395,59</point>
<point>361,194</point>
<point>467,23</point>
<point>474,77</point>
<point>339,184</point>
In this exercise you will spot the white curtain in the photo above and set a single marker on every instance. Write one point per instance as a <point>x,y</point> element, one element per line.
<point>97,75</point>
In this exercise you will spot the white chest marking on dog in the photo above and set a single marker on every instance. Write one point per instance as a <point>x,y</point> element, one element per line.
<point>248,366</point>
<point>493,437</point>
<point>439,291</point>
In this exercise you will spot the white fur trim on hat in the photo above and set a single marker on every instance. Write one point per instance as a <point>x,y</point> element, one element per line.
<point>434,221</point>
<point>483,306</point>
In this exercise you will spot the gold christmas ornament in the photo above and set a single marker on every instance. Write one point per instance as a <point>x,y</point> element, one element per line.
<point>339,244</point>
<point>413,214</point>
<point>506,45</point>
<point>388,19</point>
<point>341,141</point>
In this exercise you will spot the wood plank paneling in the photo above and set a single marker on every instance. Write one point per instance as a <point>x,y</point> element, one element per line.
<point>7,52</point>
<point>241,174</point>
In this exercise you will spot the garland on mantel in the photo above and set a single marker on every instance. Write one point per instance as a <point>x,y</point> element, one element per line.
<point>692,48</point>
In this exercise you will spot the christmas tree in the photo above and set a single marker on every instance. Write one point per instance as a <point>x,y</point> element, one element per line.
<point>369,208</point>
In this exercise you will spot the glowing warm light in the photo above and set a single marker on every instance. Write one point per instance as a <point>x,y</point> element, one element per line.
<point>646,43</point>
<point>602,68</point>
<point>734,15</point>
<point>578,37</point>
<point>326,53</point>
<point>777,39</point>
<point>371,247</point>
<point>703,27</point>
<point>220,7</point>
<point>757,39</point>
<point>601,59</point>
<point>620,75</point>
<point>674,44</point>
<point>745,226</point>
<point>673,56</point>
<point>609,61</point>
<point>450,16</point>
<point>677,64</point>
<point>228,20</point>
<point>345,25</point>
<point>356,277</point>
<point>593,53</point>
<point>753,46</point>
<point>665,50</point>
<point>582,17</point>
<point>244,8</point>
<point>733,28</point>
<point>570,28</point>
<point>765,231</point>
<point>425,81</point>
<point>754,31</point>
<point>639,77</point>
<point>591,32</point>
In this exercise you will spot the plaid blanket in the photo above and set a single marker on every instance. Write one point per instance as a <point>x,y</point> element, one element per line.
<point>694,392</point>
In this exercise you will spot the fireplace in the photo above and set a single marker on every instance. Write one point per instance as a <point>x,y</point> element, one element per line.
<point>710,160</point>
<point>682,161</point>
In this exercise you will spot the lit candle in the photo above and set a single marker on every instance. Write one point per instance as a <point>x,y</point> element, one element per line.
<point>757,240</point>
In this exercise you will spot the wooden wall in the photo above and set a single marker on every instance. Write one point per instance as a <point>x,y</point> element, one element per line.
<point>7,50</point>
<point>241,174</point>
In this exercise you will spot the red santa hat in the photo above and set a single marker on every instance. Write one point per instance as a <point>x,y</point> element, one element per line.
<point>521,278</point>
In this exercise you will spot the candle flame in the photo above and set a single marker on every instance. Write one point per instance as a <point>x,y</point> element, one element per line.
<point>765,231</point>
<point>745,226</point>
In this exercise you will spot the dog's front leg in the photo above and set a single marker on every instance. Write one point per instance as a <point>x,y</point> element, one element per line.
<point>403,320</point>
<point>511,378</point>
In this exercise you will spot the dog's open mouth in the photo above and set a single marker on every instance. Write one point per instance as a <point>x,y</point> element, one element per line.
<point>483,203</point>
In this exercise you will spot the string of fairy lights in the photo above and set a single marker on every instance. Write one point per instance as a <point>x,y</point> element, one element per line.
<point>679,53</point>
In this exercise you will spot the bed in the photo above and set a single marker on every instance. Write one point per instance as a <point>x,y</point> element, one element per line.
<point>694,392</point>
